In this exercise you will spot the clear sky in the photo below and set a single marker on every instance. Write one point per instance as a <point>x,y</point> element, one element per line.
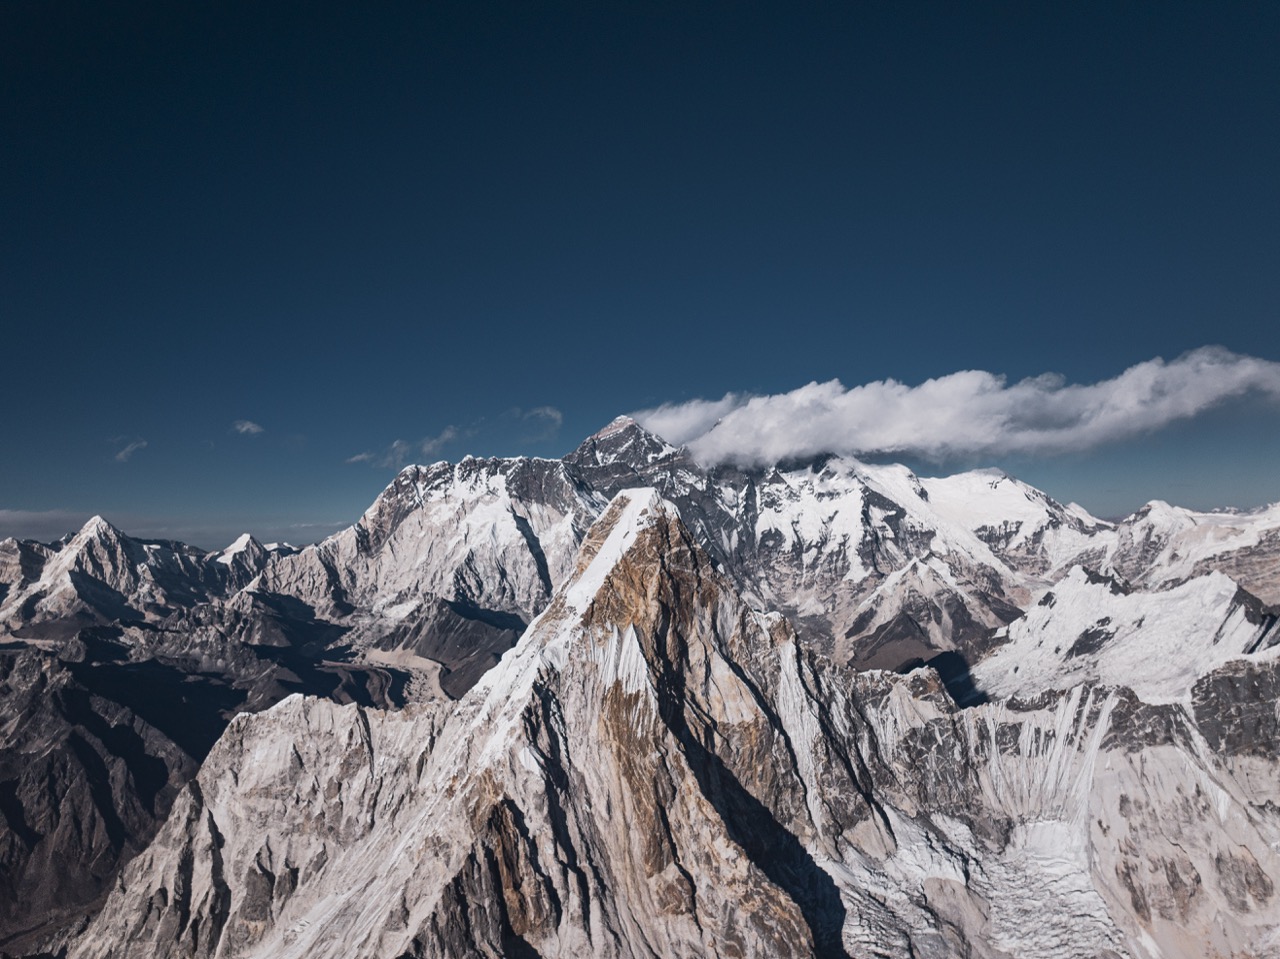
<point>489,228</point>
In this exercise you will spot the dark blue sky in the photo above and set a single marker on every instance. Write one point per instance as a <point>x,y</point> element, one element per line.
<point>353,224</point>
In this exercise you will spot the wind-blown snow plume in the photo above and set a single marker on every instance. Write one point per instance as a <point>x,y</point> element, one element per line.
<point>963,413</point>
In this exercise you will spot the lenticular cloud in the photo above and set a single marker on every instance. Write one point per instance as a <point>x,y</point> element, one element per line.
<point>961,414</point>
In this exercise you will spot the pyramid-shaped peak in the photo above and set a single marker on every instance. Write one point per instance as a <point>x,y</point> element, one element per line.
<point>617,425</point>
<point>622,441</point>
<point>97,528</point>
<point>608,543</point>
<point>245,545</point>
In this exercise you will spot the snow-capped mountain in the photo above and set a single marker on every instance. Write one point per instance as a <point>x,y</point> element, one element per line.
<point>827,542</point>
<point>1089,629</point>
<point>1162,545</point>
<point>659,769</point>
<point>1150,638</point>
<point>99,575</point>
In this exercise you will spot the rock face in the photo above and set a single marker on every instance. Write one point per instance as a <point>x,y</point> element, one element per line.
<point>141,652</point>
<point>93,799</point>
<point>658,769</point>
<point>112,691</point>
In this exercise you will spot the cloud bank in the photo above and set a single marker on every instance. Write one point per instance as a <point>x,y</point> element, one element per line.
<point>962,414</point>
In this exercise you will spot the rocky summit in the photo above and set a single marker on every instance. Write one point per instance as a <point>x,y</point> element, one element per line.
<point>622,704</point>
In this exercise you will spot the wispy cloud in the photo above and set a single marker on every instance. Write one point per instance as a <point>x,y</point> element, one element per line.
<point>433,444</point>
<point>682,422</point>
<point>961,414</point>
<point>540,423</point>
<point>401,452</point>
<point>124,454</point>
<point>246,427</point>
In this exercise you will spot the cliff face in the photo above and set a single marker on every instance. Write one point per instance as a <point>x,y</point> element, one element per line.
<point>83,779</point>
<point>658,769</point>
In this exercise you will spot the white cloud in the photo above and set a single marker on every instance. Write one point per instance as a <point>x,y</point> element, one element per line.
<point>246,427</point>
<point>432,444</point>
<point>540,423</point>
<point>680,423</point>
<point>132,447</point>
<point>401,451</point>
<point>964,413</point>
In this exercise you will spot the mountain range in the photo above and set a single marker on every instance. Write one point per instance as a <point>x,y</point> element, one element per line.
<point>624,704</point>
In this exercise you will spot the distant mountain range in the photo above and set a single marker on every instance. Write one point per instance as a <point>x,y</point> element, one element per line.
<point>621,704</point>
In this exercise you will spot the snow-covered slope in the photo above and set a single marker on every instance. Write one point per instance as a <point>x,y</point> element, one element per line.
<point>1090,629</point>
<point>1160,545</point>
<point>1020,524</point>
<point>448,565</point>
<point>99,575</point>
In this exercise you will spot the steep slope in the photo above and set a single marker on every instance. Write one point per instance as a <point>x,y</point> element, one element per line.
<point>655,769</point>
<point>819,540</point>
<point>449,563</point>
<point>85,779</point>
<point>1161,545</point>
<point>1091,629</point>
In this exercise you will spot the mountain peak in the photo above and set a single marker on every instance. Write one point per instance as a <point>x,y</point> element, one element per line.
<point>605,549</point>
<point>609,538</point>
<point>615,425</point>
<point>97,528</point>
<point>622,441</point>
<point>243,544</point>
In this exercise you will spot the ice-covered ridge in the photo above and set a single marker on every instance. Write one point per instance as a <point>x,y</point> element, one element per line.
<point>1179,538</point>
<point>1157,644</point>
<point>630,512</point>
<point>821,513</point>
<point>988,498</point>
<point>831,511</point>
<point>505,689</point>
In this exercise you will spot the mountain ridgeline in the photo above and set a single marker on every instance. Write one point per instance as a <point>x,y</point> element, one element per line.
<point>621,704</point>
